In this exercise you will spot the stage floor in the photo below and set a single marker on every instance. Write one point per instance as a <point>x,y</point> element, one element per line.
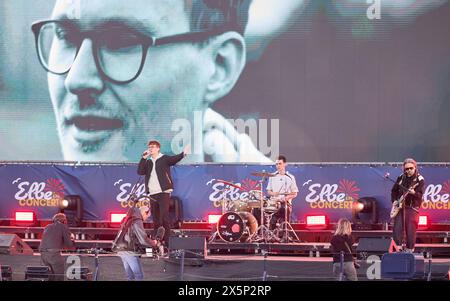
<point>213,268</point>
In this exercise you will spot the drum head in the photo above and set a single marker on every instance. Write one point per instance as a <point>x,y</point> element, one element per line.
<point>230,227</point>
<point>239,206</point>
<point>271,206</point>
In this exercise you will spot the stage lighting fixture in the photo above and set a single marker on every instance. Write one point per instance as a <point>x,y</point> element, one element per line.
<point>64,204</point>
<point>72,207</point>
<point>316,222</point>
<point>213,218</point>
<point>116,218</point>
<point>364,212</point>
<point>24,218</point>
<point>423,222</point>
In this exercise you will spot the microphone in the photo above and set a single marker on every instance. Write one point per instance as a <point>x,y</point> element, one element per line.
<point>145,153</point>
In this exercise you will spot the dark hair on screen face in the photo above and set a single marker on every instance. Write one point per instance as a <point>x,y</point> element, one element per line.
<point>282,158</point>
<point>229,15</point>
<point>154,142</point>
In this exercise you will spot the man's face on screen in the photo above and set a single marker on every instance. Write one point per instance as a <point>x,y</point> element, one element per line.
<point>100,120</point>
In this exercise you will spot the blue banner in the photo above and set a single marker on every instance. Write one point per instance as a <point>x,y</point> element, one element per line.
<point>105,189</point>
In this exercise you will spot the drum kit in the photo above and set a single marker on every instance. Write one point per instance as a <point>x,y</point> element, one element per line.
<point>238,222</point>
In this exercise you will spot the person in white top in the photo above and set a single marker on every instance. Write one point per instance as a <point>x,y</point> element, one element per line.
<point>282,188</point>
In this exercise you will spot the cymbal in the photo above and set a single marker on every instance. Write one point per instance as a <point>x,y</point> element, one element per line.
<point>230,184</point>
<point>262,174</point>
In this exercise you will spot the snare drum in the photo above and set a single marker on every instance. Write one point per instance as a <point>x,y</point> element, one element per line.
<point>254,199</point>
<point>271,205</point>
<point>255,195</point>
<point>239,206</point>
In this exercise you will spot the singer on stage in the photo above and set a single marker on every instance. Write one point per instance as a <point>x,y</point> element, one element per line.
<point>412,183</point>
<point>159,184</point>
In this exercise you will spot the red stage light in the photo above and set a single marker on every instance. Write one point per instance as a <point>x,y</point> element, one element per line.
<point>423,221</point>
<point>316,221</point>
<point>116,218</point>
<point>24,216</point>
<point>213,218</point>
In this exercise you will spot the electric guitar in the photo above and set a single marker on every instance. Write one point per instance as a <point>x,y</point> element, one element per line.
<point>398,204</point>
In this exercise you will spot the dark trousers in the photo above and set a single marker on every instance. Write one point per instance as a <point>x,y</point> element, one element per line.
<point>411,223</point>
<point>55,262</point>
<point>277,217</point>
<point>160,212</point>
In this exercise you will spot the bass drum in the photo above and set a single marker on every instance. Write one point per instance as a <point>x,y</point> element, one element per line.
<point>236,226</point>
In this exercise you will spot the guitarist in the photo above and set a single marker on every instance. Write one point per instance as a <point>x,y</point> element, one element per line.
<point>411,184</point>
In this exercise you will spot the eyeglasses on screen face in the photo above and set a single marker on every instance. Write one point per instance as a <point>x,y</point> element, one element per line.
<point>119,55</point>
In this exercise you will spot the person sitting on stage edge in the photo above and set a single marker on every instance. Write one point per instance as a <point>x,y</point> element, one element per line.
<point>136,241</point>
<point>412,183</point>
<point>56,236</point>
<point>342,242</point>
<point>158,183</point>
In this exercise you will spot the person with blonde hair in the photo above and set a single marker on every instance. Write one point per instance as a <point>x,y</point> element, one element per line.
<point>342,242</point>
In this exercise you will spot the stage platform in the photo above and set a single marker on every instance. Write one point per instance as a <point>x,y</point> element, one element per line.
<point>312,242</point>
<point>212,268</point>
<point>304,235</point>
<point>311,249</point>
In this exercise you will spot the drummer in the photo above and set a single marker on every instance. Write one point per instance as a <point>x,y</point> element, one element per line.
<point>282,188</point>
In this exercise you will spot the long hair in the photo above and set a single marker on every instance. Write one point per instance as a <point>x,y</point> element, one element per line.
<point>413,162</point>
<point>344,227</point>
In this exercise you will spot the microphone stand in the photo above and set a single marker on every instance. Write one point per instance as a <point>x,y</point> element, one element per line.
<point>96,262</point>
<point>286,223</point>
<point>393,181</point>
<point>265,234</point>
